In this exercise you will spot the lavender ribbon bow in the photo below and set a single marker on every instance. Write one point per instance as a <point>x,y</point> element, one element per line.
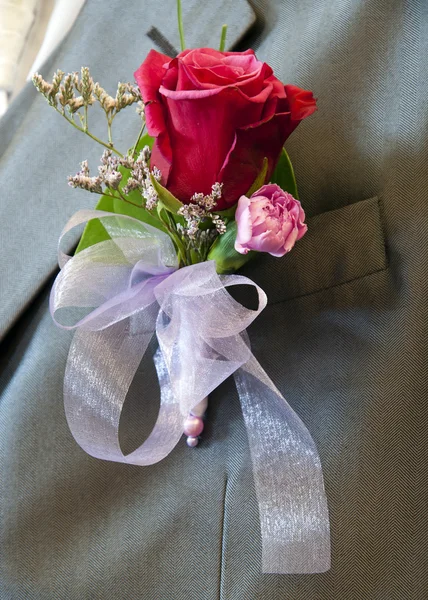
<point>134,283</point>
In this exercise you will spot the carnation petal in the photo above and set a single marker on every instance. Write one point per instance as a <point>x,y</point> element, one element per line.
<point>303,228</point>
<point>240,248</point>
<point>243,221</point>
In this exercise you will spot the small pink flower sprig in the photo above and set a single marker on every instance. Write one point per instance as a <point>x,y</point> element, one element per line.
<point>271,220</point>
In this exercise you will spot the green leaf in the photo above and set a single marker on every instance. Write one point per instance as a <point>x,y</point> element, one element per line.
<point>169,201</point>
<point>260,179</point>
<point>145,140</point>
<point>228,213</point>
<point>228,260</point>
<point>94,231</point>
<point>284,175</point>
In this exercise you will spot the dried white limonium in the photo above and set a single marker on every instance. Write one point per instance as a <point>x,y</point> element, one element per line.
<point>71,95</point>
<point>199,209</point>
<point>110,176</point>
<point>83,180</point>
<point>197,240</point>
<point>140,177</point>
<point>120,175</point>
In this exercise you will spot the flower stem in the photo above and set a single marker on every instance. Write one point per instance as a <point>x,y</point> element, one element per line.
<point>110,140</point>
<point>138,139</point>
<point>121,197</point>
<point>180,25</point>
<point>82,129</point>
<point>169,224</point>
<point>223,38</point>
<point>126,199</point>
<point>85,122</point>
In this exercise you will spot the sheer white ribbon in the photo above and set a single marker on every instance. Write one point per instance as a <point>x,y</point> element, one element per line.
<point>134,289</point>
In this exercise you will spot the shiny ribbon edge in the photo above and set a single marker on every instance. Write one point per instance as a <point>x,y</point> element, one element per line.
<point>286,466</point>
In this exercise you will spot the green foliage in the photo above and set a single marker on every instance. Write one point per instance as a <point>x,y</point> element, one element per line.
<point>228,260</point>
<point>145,140</point>
<point>169,201</point>
<point>284,175</point>
<point>94,231</point>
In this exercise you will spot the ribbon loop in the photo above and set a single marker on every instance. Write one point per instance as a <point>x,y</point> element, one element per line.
<point>115,278</point>
<point>198,330</point>
<point>133,288</point>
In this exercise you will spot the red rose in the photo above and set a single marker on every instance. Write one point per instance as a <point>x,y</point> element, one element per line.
<point>215,116</point>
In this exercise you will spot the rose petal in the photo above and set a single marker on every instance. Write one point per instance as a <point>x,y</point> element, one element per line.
<point>301,102</point>
<point>150,74</point>
<point>198,155</point>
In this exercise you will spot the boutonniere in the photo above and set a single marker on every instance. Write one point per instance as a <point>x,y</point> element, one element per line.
<point>206,186</point>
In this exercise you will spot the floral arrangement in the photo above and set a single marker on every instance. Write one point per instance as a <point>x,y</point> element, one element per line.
<point>206,186</point>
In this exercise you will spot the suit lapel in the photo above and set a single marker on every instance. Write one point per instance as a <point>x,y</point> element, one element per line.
<point>38,150</point>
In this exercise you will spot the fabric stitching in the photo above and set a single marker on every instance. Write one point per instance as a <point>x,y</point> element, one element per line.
<point>382,224</point>
<point>330,287</point>
<point>223,541</point>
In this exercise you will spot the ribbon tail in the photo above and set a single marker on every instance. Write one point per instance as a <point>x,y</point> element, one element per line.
<point>100,368</point>
<point>288,478</point>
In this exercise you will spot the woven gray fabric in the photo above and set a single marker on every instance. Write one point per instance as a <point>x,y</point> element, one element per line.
<point>344,336</point>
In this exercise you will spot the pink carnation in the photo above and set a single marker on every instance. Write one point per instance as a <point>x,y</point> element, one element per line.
<point>270,221</point>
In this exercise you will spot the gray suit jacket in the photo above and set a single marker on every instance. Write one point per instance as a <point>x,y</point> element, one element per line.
<point>344,336</point>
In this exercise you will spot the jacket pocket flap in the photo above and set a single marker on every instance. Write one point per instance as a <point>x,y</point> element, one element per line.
<point>340,246</point>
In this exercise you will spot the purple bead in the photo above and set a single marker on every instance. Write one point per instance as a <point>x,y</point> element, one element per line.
<point>192,441</point>
<point>193,426</point>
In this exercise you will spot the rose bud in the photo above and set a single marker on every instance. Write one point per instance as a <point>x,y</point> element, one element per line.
<point>216,116</point>
<point>270,221</point>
